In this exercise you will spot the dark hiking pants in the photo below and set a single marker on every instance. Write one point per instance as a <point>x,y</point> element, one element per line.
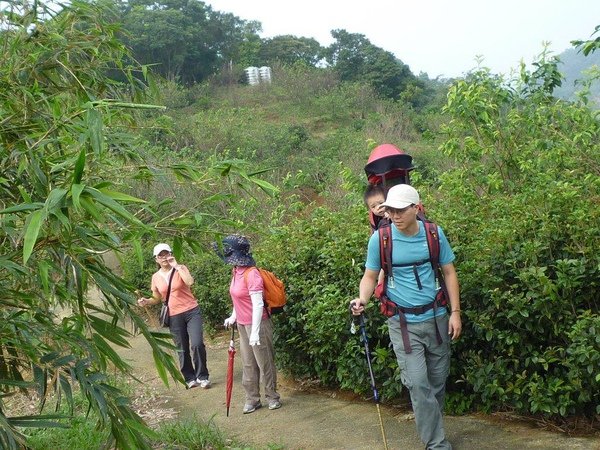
<point>186,329</point>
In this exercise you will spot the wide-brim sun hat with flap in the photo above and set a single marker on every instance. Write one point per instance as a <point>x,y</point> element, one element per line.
<point>236,251</point>
<point>161,248</point>
<point>401,196</point>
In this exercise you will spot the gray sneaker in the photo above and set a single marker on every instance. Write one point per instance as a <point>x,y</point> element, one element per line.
<point>274,404</point>
<point>250,408</point>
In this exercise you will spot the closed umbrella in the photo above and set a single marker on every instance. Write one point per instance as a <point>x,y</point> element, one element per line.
<point>229,381</point>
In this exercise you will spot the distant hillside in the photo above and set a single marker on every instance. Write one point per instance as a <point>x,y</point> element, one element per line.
<point>572,65</point>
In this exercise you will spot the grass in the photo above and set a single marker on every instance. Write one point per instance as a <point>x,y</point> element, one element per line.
<point>188,434</point>
<point>83,433</point>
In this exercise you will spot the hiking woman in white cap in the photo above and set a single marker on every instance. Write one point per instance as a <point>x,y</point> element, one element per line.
<point>185,321</point>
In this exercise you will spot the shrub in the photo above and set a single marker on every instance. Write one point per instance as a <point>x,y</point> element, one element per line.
<point>521,207</point>
<point>320,259</point>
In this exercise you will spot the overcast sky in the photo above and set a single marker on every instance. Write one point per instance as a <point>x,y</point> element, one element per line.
<point>440,37</point>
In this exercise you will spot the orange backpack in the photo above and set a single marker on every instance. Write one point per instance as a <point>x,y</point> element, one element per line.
<point>274,291</point>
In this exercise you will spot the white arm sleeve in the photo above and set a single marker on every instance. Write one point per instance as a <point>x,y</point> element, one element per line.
<point>257,312</point>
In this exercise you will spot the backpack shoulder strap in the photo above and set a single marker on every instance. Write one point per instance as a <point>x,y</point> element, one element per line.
<point>265,306</point>
<point>169,287</point>
<point>433,242</point>
<point>385,246</point>
<point>246,273</point>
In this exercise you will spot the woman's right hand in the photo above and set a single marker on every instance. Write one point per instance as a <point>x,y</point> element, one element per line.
<point>229,322</point>
<point>143,301</point>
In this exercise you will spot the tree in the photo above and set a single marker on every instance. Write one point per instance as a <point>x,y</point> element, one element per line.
<point>67,152</point>
<point>589,46</point>
<point>288,49</point>
<point>354,58</point>
<point>185,39</point>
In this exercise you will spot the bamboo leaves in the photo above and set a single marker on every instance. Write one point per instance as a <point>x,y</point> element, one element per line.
<point>69,156</point>
<point>31,233</point>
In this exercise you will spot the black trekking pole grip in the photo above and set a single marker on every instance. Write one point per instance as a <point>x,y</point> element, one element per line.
<point>353,318</point>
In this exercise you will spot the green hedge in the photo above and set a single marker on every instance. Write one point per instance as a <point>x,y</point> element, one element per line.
<point>520,207</point>
<point>320,257</point>
<point>517,192</point>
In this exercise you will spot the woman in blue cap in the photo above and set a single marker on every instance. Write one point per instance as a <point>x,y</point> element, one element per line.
<point>253,324</point>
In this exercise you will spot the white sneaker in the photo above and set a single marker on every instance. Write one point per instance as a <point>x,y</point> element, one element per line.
<point>204,384</point>
<point>192,384</point>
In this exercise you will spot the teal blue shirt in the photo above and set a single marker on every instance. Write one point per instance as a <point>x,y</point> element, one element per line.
<point>408,250</point>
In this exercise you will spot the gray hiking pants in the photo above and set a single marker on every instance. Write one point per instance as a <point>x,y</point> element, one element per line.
<point>258,363</point>
<point>424,373</point>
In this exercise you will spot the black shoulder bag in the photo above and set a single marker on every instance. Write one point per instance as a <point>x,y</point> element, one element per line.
<point>164,317</point>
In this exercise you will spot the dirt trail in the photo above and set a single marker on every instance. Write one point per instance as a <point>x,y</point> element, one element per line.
<point>322,420</point>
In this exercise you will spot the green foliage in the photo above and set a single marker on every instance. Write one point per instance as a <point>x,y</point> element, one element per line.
<point>184,40</point>
<point>82,434</point>
<point>67,158</point>
<point>59,216</point>
<point>190,434</point>
<point>354,58</point>
<point>290,50</point>
<point>578,71</point>
<point>299,128</point>
<point>319,257</point>
<point>589,46</point>
<point>211,288</point>
<point>521,209</point>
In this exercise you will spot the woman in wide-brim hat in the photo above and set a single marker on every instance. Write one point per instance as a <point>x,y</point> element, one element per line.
<point>185,322</point>
<point>253,323</point>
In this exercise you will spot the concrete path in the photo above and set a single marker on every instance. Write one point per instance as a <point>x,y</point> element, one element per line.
<point>329,420</point>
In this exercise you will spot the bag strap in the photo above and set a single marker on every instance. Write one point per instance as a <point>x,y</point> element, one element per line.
<point>433,244</point>
<point>385,250</point>
<point>245,274</point>
<point>264,295</point>
<point>169,287</point>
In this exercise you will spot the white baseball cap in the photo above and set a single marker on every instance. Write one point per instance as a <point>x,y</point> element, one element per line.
<point>161,247</point>
<point>401,196</point>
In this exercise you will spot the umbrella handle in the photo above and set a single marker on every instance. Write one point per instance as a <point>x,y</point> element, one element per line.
<point>232,340</point>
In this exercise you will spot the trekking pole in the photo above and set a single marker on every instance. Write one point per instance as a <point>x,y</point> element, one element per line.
<point>363,332</point>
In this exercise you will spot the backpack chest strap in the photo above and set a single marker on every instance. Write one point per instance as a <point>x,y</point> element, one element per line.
<point>414,266</point>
